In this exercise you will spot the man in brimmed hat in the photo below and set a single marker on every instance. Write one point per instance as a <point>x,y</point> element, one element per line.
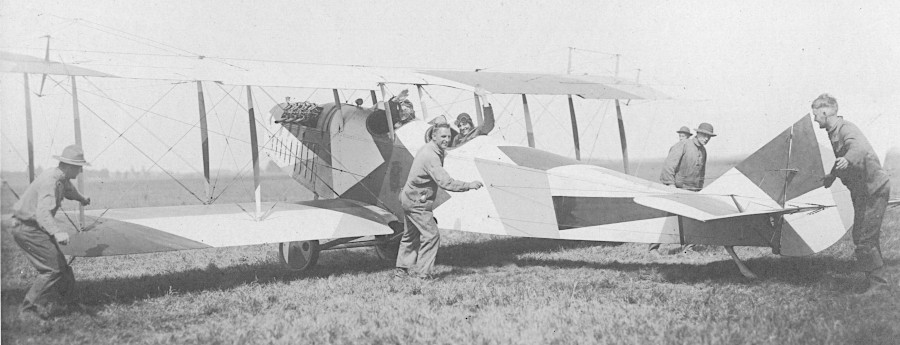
<point>685,166</point>
<point>683,133</point>
<point>858,167</point>
<point>36,232</point>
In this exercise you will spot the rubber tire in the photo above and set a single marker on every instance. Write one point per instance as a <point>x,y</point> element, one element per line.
<point>299,255</point>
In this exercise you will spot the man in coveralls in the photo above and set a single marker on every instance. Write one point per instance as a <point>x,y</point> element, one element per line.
<point>35,231</point>
<point>421,239</point>
<point>859,169</point>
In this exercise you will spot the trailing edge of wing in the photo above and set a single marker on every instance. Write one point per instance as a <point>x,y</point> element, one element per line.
<point>171,228</point>
<point>705,207</point>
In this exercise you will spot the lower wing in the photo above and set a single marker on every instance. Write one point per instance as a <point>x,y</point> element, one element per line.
<point>171,228</point>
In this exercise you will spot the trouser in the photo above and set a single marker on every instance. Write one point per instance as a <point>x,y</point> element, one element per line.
<point>686,246</point>
<point>421,238</point>
<point>868,213</point>
<point>54,274</point>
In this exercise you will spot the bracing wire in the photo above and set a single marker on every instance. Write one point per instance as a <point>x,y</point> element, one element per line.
<point>136,147</point>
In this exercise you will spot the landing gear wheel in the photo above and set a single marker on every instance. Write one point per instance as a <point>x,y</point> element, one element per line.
<point>299,255</point>
<point>387,250</point>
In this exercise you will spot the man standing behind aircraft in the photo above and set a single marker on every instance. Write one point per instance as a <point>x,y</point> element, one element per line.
<point>421,238</point>
<point>859,169</point>
<point>685,165</point>
<point>683,133</point>
<point>36,232</point>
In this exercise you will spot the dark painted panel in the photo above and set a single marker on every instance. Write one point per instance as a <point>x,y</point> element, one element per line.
<point>576,212</point>
<point>536,159</point>
<point>114,237</point>
<point>765,166</point>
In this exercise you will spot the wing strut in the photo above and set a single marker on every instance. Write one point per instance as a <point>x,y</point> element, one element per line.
<point>204,138</point>
<point>572,112</point>
<point>77,119</point>
<point>254,149</point>
<point>621,126</point>
<point>622,136</point>
<point>422,101</point>
<point>528,127</point>
<point>28,128</point>
<point>46,59</point>
<point>387,110</point>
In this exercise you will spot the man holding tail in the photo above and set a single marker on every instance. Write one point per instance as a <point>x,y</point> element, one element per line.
<point>859,169</point>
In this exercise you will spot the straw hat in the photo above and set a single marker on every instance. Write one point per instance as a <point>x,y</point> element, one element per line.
<point>73,155</point>
<point>685,130</point>
<point>705,128</point>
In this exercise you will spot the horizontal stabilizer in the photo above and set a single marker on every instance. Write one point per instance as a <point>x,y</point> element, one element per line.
<point>706,207</point>
<point>171,228</point>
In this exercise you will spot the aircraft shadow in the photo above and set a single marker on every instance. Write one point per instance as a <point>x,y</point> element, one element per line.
<point>126,290</point>
<point>836,274</point>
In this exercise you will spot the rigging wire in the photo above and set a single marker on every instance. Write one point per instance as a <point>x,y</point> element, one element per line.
<point>137,121</point>
<point>139,150</point>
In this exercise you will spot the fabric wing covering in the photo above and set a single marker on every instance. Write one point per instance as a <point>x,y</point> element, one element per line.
<point>171,228</point>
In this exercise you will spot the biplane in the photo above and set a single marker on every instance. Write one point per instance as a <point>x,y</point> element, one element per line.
<point>355,159</point>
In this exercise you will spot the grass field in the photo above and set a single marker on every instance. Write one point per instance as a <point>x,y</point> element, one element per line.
<point>492,290</point>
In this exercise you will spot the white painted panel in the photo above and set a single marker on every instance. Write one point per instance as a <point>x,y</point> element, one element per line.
<point>656,230</point>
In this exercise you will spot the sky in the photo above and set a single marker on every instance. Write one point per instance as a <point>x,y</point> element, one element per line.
<point>749,68</point>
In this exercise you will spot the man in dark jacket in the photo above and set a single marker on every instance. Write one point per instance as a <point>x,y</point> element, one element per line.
<point>685,166</point>
<point>859,169</point>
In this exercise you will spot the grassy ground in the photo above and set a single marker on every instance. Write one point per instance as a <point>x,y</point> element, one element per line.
<point>492,290</point>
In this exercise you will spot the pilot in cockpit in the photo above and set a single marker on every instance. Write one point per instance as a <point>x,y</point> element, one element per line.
<point>467,129</point>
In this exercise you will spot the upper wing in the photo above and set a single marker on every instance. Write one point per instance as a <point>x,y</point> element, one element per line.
<point>170,228</point>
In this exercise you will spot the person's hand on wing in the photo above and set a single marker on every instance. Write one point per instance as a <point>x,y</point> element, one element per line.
<point>61,237</point>
<point>841,163</point>
<point>475,185</point>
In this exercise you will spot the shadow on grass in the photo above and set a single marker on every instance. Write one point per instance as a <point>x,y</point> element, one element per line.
<point>132,289</point>
<point>831,272</point>
<point>126,290</point>
<point>467,257</point>
<point>502,250</point>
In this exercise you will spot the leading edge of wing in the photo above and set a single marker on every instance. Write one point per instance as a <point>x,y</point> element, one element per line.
<point>172,228</point>
<point>706,207</point>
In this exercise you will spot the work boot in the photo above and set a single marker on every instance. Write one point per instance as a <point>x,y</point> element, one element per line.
<point>400,273</point>
<point>876,284</point>
<point>426,277</point>
<point>35,312</point>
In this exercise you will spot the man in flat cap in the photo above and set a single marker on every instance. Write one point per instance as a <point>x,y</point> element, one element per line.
<point>685,166</point>
<point>35,231</point>
<point>859,169</point>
